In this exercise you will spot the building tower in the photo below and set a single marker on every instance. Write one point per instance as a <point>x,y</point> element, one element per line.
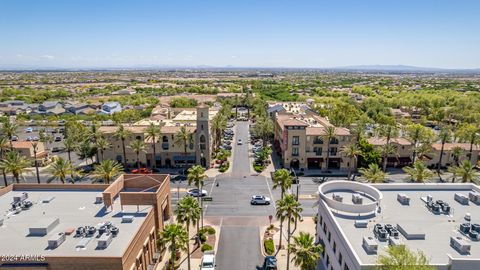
<point>203,147</point>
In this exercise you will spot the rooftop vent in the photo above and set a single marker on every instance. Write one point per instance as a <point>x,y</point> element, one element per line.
<point>403,199</point>
<point>370,245</point>
<point>127,219</point>
<point>474,197</point>
<point>20,198</point>
<point>361,223</point>
<point>357,198</point>
<point>99,198</point>
<point>460,244</point>
<point>43,226</point>
<point>82,244</point>
<point>468,217</point>
<point>104,241</point>
<point>460,198</point>
<point>56,240</point>
<point>338,198</point>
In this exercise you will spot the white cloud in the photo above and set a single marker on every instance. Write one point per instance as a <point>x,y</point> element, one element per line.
<point>47,56</point>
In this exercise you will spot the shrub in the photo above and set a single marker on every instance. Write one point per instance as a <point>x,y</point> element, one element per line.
<point>271,227</point>
<point>224,167</point>
<point>210,230</point>
<point>258,168</point>
<point>269,246</point>
<point>202,237</point>
<point>206,247</point>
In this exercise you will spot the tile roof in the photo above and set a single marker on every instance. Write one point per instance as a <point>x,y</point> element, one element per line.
<point>382,141</point>
<point>450,146</point>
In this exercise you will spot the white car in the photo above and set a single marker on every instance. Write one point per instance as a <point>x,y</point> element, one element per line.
<point>196,193</point>
<point>239,142</point>
<point>208,260</point>
<point>260,199</point>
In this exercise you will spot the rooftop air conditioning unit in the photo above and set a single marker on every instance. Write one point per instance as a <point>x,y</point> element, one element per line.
<point>43,226</point>
<point>82,244</point>
<point>127,219</point>
<point>357,199</point>
<point>395,241</point>
<point>361,223</point>
<point>56,240</point>
<point>104,241</point>
<point>20,198</point>
<point>460,244</point>
<point>99,198</point>
<point>403,199</point>
<point>464,228</point>
<point>474,197</point>
<point>460,198</point>
<point>370,245</point>
<point>338,198</point>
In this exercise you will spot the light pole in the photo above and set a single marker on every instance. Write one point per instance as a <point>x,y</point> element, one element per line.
<point>34,145</point>
<point>298,188</point>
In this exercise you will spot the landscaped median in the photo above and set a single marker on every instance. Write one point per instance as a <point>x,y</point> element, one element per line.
<point>268,244</point>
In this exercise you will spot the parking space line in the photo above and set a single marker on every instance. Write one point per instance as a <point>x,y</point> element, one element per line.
<point>271,194</point>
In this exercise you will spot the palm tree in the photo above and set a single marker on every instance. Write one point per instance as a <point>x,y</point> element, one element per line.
<point>86,151</point>
<point>423,150</point>
<point>153,132</point>
<point>466,171</point>
<point>196,175</point>
<point>9,130</point>
<point>373,174</point>
<point>71,145</point>
<point>188,213</point>
<point>102,145</point>
<point>282,179</point>
<point>358,131</point>
<point>288,209</point>
<point>457,151</point>
<point>107,170</point>
<point>305,253</point>
<point>60,170</point>
<point>184,137</point>
<point>416,133</point>
<point>418,172</point>
<point>468,133</point>
<point>122,134</point>
<point>328,136</point>
<point>177,238</point>
<point>219,124</point>
<point>3,149</point>
<point>444,136</point>
<point>15,164</point>
<point>94,134</point>
<point>264,129</point>
<point>137,146</point>
<point>351,151</point>
<point>236,102</point>
<point>400,257</point>
<point>35,148</point>
<point>387,150</point>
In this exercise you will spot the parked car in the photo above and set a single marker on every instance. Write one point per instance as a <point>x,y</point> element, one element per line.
<point>29,130</point>
<point>197,193</point>
<point>142,171</point>
<point>239,142</point>
<point>226,147</point>
<point>58,139</point>
<point>227,142</point>
<point>260,199</point>
<point>14,138</point>
<point>208,260</point>
<point>35,139</point>
<point>29,139</point>
<point>55,149</point>
<point>269,263</point>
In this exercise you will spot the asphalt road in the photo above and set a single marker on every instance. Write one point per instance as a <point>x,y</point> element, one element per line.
<point>238,248</point>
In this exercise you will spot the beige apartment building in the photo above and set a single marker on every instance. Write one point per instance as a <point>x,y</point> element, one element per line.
<point>448,158</point>
<point>300,141</point>
<point>169,153</point>
<point>403,155</point>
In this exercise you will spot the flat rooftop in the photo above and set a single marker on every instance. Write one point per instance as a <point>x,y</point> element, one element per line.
<point>415,217</point>
<point>73,208</point>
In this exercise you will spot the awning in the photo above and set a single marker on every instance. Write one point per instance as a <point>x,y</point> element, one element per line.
<point>314,159</point>
<point>184,158</point>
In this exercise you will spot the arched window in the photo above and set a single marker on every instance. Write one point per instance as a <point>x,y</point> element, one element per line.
<point>202,139</point>
<point>333,140</point>
<point>165,139</point>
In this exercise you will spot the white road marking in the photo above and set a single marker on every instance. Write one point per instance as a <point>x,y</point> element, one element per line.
<point>271,194</point>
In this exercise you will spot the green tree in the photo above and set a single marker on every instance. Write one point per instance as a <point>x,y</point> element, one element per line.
<point>137,146</point>
<point>15,164</point>
<point>419,172</point>
<point>444,137</point>
<point>86,151</point>
<point>122,134</point>
<point>352,152</point>
<point>152,133</point>
<point>35,149</point>
<point>288,209</point>
<point>466,171</point>
<point>283,180</point>
<point>102,145</point>
<point>184,137</point>
<point>457,151</point>
<point>107,170</point>
<point>387,150</point>
<point>9,130</point>
<point>328,136</point>
<point>264,129</point>
<point>196,175</point>
<point>369,154</point>
<point>417,133</point>
<point>469,133</point>
<point>305,253</point>
<point>188,213</point>
<point>71,145</point>
<point>373,174</point>
<point>3,149</point>
<point>60,169</point>
<point>219,124</point>
<point>401,258</point>
<point>176,237</point>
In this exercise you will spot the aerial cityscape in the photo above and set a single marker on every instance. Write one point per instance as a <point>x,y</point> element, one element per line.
<point>262,135</point>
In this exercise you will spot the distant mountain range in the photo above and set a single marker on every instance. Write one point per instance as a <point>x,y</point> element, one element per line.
<point>402,68</point>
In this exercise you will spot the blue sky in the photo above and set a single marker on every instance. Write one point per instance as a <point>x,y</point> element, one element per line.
<point>245,33</point>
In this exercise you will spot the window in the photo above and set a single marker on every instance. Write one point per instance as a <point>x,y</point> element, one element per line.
<point>334,247</point>
<point>325,228</point>
<point>296,140</point>
<point>340,258</point>
<point>318,140</point>
<point>333,140</point>
<point>295,151</point>
<point>329,236</point>
<point>346,267</point>
<point>318,151</point>
<point>333,151</point>
<point>328,260</point>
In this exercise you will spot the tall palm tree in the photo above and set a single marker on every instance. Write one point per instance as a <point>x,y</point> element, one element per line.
<point>219,124</point>
<point>94,134</point>
<point>423,150</point>
<point>457,151</point>
<point>3,149</point>
<point>416,133</point>
<point>466,171</point>
<point>15,164</point>
<point>107,170</point>
<point>122,134</point>
<point>305,253</point>
<point>137,146</point>
<point>152,132</point>
<point>9,130</point>
<point>86,151</point>
<point>196,175</point>
<point>358,131</point>
<point>468,133</point>
<point>387,150</point>
<point>328,136</point>
<point>419,172</point>
<point>282,179</point>
<point>184,137</point>
<point>177,239</point>
<point>288,209</point>
<point>71,145</point>
<point>353,152</point>
<point>236,102</point>
<point>264,129</point>
<point>188,213</point>
<point>35,149</point>
<point>60,169</point>
<point>102,145</point>
<point>444,136</point>
<point>373,174</point>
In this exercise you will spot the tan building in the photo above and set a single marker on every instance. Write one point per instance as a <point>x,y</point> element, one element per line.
<point>402,157</point>
<point>26,150</point>
<point>84,226</point>
<point>299,140</point>
<point>448,158</point>
<point>168,153</point>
